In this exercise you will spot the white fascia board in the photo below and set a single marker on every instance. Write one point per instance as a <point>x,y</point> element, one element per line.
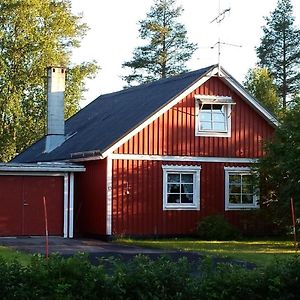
<point>184,158</point>
<point>168,106</point>
<point>40,167</point>
<point>240,90</point>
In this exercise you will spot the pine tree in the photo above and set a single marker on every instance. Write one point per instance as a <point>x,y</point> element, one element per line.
<point>279,50</point>
<point>34,35</point>
<point>168,48</point>
<point>260,84</point>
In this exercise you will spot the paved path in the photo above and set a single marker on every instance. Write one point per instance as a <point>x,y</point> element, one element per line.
<point>97,249</point>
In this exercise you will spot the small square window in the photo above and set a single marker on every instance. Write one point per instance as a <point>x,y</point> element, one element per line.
<point>213,115</point>
<point>240,190</point>
<point>181,187</point>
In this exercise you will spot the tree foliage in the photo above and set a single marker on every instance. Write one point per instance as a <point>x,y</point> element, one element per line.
<point>280,167</point>
<point>167,49</point>
<point>260,84</point>
<point>35,34</point>
<point>279,50</point>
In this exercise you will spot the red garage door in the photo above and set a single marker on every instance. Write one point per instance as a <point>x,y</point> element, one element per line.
<point>21,205</point>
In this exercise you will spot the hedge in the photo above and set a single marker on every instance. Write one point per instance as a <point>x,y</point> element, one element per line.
<point>143,278</point>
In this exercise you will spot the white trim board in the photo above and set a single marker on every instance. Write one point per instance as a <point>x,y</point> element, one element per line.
<point>184,158</point>
<point>66,204</point>
<point>109,196</point>
<point>40,167</point>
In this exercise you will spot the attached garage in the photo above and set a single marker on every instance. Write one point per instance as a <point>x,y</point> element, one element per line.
<point>23,188</point>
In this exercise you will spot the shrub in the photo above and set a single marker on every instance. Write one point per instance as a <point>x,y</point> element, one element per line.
<point>216,228</point>
<point>143,278</point>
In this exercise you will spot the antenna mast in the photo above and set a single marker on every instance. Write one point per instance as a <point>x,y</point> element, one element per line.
<point>218,19</point>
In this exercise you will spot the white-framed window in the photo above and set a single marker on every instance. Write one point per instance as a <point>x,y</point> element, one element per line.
<point>181,187</point>
<point>240,189</point>
<point>213,115</point>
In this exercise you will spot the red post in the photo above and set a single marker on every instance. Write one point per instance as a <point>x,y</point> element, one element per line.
<point>46,228</point>
<point>294,223</point>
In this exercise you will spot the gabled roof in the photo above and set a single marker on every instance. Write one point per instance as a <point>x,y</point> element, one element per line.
<point>111,119</point>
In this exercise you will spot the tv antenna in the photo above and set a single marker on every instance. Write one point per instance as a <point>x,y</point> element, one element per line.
<point>218,19</point>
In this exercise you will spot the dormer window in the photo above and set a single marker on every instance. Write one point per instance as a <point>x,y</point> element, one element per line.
<point>213,115</point>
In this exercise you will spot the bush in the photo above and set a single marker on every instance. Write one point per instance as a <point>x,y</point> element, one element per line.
<point>216,228</point>
<point>143,278</point>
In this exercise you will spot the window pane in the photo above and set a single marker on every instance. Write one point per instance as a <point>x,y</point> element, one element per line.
<point>247,189</point>
<point>206,107</point>
<point>173,178</point>
<point>234,189</point>
<point>247,179</point>
<point>218,107</point>
<point>235,179</point>
<point>186,188</point>
<point>219,126</point>
<point>206,126</point>
<point>173,198</point>
<point>173,188</point>
<point>187,198</point>
<point>218,117</point>
<point>247,199</point>
<point>205,117</point>
<point>234,199</point>
<point>187,178</point>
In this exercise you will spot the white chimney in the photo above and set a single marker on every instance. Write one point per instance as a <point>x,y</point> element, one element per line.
<point>55,116</point>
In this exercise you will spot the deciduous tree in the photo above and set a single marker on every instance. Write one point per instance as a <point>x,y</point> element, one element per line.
<point>260,84</point>
<point>280,167</point>
<point>35,34</point>
<point>167,49</point>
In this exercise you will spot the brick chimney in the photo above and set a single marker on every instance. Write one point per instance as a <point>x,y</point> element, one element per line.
<point>55,113</point>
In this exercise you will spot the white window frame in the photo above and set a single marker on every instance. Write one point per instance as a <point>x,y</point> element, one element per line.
<point>239,206</point>
<point>195,170</point>
<point>201,100</point>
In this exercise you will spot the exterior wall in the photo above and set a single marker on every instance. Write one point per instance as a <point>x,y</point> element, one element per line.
<point>138,199</point>
<point>90,199</point>
<point>137,192</point>
<point>173,133</point>
<point>22,211</point>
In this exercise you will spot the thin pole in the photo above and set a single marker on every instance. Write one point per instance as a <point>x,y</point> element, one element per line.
<point>294,223</point>
<point>46,228</point>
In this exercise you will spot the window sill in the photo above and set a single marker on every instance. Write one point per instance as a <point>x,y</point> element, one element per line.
<point>241,207</point>
<point>178,207</point>
<point>213,134</point>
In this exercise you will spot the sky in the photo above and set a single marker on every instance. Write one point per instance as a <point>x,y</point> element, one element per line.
<point>113,35</point>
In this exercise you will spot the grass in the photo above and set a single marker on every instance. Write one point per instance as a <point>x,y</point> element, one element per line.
<point>260,252</point>
<point>11,255</point>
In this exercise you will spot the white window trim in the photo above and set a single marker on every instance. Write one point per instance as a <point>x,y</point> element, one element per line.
<point>230,206</point>
<point>196,187</point>
<point>207,99</point>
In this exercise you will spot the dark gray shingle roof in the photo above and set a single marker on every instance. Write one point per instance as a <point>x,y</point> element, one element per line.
<point>107,119</point>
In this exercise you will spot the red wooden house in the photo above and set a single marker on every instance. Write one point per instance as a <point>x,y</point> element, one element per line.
<point>161,156</point>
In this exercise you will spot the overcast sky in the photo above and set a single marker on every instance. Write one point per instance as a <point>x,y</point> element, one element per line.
<point>114,28</point>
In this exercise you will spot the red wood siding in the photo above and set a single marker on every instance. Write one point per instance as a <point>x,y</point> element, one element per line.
<point>90,199</point>
<point>173,133</point>
<point>138,199</point>
<point>22,210</point>
<point>137,185</point>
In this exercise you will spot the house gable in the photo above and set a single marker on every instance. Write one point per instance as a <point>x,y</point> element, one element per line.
<point>173,133</point>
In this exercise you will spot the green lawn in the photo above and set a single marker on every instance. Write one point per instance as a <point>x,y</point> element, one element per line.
<point>10,255</point>
<point>260,252</point>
